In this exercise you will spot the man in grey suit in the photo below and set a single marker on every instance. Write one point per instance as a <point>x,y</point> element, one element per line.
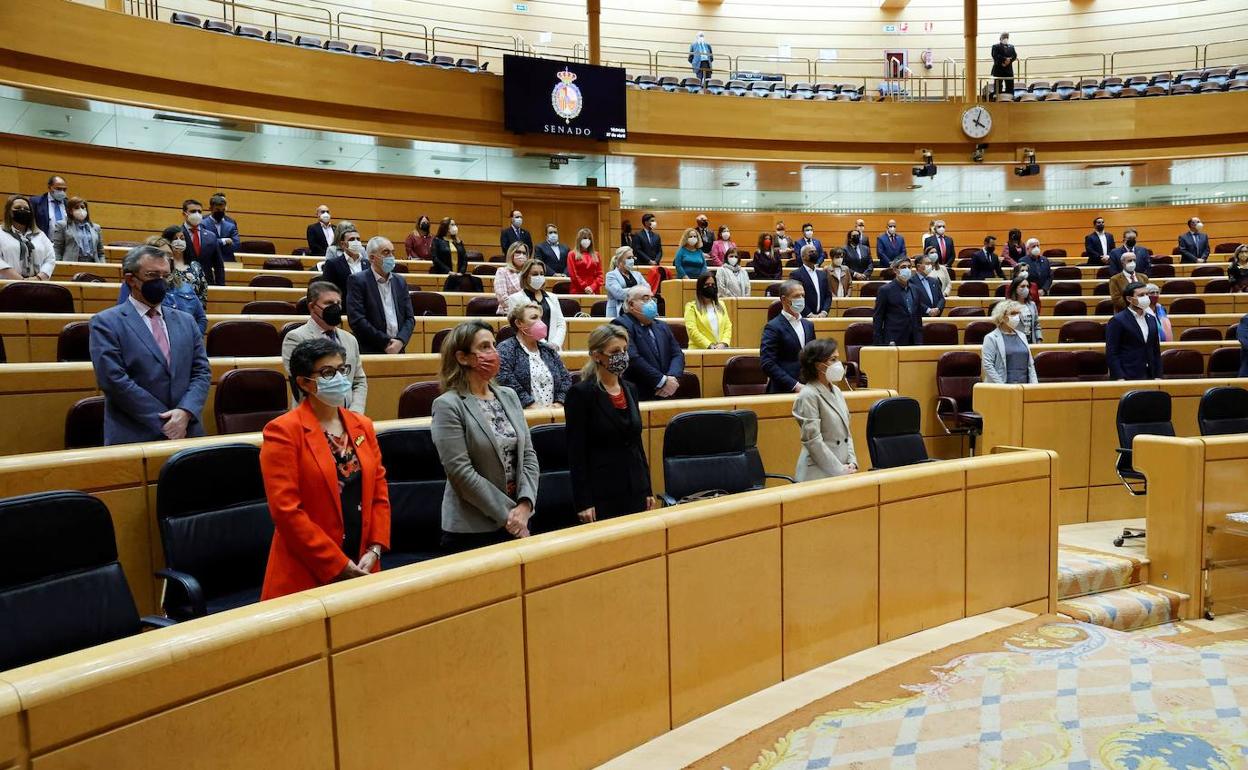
<point>325,309</point>
<point>379,306</point>
<point>149,359</point>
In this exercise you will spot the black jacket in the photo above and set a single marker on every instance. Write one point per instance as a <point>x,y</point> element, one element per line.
<point>606,456</point>
<point>1143,259</point>
<point>367,316</point>
<point>647,247</point>
<point>317,244</point>
<point>824,298</point>
<point>985,266</point>
<point>650,360</point>
<point>338,272</point>
<point>937,296</point>
<point>556,262</point>
<point>1128,355</point>
<point>441,256</point>
<point>999,54</point>
<point>778,353</point>
<point>508,236</point>
<point>892,322</point>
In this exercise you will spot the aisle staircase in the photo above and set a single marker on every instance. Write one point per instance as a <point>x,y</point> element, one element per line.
<point>1111,589</point>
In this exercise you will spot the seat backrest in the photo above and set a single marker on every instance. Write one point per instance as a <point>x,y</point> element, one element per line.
<point>1160,270</point>
<point>1092,365</point>
<point>243,339</point>
<point>1143,413</point>
<point>1218,286</point>
<point>504,334</point>
<point>435,345</point>
<point>704,451</point>
<point>1180,286</point>
<point>428,303</point>
<point>1057,366</point>
<point>1065,289</point>
<point>35,297</point>
<point>1224,362</point>
<point>1105,307</point>
<point>84,423</point>
<point>1204,271</point>
<point>858,311</point>
<point>271,281</point>
<point>481,307</point>
<point>1187,306</point>
<point>219,533</point>
<point>1223,411</point>
<point>1081,331</point>
<point>681,334</point>
<point>269,307</point>
<point>940,333</point>
<point>1200,334</point>
<point>554,483</point>
<point>1068,307</point>
<point>744,376</point>
<point>964,312</point>
<point>417,399</point>
<point>1067,273</point>
<point>973,289</point>
<point>283,263</point>
<point>463,282</point>
<point>74,342</point>
<point>690,386</point>
<point>893,437</point>
<point>598,309</point>
<point>416,481</point>
<point>88,278</point>
<point>64,597</point>
<point>976,331</point>
<point>956,374</point>
<point>1180,362</point>
<point>870,288</point>
<point>246,399</point>
<point>257,247</point>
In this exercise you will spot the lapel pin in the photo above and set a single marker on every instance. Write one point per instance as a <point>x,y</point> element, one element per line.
<point>359,440</point>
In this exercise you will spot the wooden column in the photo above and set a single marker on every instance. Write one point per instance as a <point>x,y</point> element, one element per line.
<point>970,29</point>
<point>593,9</point>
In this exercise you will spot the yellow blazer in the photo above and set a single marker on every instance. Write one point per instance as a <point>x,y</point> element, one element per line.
<point>698,326</point>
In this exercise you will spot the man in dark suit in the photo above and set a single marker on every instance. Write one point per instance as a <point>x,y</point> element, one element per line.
<point>1039,269</point>
<point>50,207</point>
<point>783,339</point>
<point>1098,244</point>
<point>655,359</point>
<point>985,264</point>
<point>647,245</point>
<point>1003,58</point>
<point>201,243</point>
<point>349,259</point>
<point>890,245</point>
<point>703,226</point>
<point>926,287</point>
<point>224,227</point>
<point>553,253</point>
<point>1143,256</point>
<point>515,232</point>
<point>858,255</point>
<point>942,243</point>
<point>320,232</point>
<point>1194,244</point>
<point>379,307</point>
<point>815,283</point>
<point>1241,334</point>
<point>1132,342</point>
<point>898,318</point>
<point>149,358</point>
<point>808,239</point>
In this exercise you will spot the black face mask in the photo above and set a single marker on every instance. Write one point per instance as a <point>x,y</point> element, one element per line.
<point>1130,242</point>
<point>23,217</point>
<point>989,249</point>
<point>154,291</point>
<point>709,292</point>
<point>218,215</point>
<point>424,227</point>
<point>1099,228</point>
<point>332,314</point>
<point>853,238</point>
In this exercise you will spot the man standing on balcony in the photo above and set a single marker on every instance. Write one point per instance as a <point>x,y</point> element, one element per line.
<point>700,57</point>
<point>1003,58</point>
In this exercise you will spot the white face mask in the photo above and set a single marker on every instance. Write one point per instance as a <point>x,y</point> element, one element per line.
<point>1200,226</point>
<point>733,261</point>
<point>356,248</point>
<point>727,236</point>
<point>194,218</point>
<point>835,371</point>
<point>809,234</point>
<point>1129,267</point>
<point>518,260</point>
<point>537,281</point>
<point>691,241</point>
<point>80,214</point>
<point>940,230</point>
<point>1035,251</point>
<point>585,244</point>
<point>324,217</point>
<point>179,244</point>
<point>1014,319</point>
<point>1143,302</point>
<point>892,229</point>
<point>517,221</point>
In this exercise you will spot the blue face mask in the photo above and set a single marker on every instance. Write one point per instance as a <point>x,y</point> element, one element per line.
<point>650,309</point>
<point>334,390</point>
<point>798,305</point>
<point>904,273</point>
<point>387,265</point>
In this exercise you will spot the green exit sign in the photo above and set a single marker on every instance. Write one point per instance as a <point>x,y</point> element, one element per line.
<point>521,7</point>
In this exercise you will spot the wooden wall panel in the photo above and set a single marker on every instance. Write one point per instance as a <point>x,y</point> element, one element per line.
<point>922,582</point>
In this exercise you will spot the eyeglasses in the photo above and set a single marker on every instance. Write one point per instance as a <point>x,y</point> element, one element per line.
<point>329,371</point>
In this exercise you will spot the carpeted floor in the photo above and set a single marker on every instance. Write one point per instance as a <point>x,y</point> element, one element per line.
<point>1044,693</point>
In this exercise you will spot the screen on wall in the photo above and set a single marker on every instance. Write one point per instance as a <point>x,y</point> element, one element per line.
<point>558,98</point>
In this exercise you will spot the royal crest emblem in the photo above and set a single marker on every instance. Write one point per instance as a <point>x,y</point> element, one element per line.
<point>566,98</point>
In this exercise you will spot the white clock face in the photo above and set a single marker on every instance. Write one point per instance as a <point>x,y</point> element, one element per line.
<point>976,122</point>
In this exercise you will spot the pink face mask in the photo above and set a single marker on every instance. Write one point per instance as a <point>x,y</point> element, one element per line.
<point>487,364</point>
<point>538,330</point>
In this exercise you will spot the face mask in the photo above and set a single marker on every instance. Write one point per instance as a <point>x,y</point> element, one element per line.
<point>487,364</point>
<point>23,217</point>
<point>835,371</point>
<point>990,249</point>
<point>809,234</point>
<point>710,292</point>
<point>766,243</point>
<point>940,230</point>
<point>194,218</point>
<point>727,236</point>
<point>904,274</point>
<point>812,258</point>
<point>324,217</point>
<point>80,214</point>
<point>538,330</point>
<point>837,262</point>
<point>154,291</point>
<point>733,261</point>
<point>853,238</point>
<point>423,227</point>
<point>1143,302</point>
<point>518,260</point>
<point>1200,226</point>
<point>536,282</point>
<point>1022,292</point>
<point>218,215</point>
<point>356,248</point>
<point>628,263</point>
<point>58,195</point>
<point>585,243</point>
<point>691,241</point>
<point>798,305</point>
<point>1014,319</point>
<point>1035,251</point>
<point>333,391</point>
<point>617,363</point>
<point>552,238</point>
<point>179,244</point>
<point>652,224</point>
<point>387,265</point>
<point>453,230</point>
<point>892,229</point>
<point>332,314</point>
<point>1130,243</point>
<point>650,309</point>
<point>1100,227</point>
<point>517,221</point>
<point>1129,267</point>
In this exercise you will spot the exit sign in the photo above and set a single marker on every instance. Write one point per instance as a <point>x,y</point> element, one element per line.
<point>521,7</point>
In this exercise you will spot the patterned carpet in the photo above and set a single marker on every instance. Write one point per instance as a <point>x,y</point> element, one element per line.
<point>1047,693</point>
<point>1082,571</point>
<point>1125,609</point>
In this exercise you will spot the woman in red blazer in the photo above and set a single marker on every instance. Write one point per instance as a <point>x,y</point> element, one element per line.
<point>324,480</point>
<point>584,267</point>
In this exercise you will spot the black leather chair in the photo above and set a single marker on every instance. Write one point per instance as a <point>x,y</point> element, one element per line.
<point>956,374</point>
<point>1223,411</point>
<point>1223,362</point>
<point>242,339</point>
<point>743,376</point>
<point>35,297</point>
<point>417,399</point>
<point>554,484</point>
<point>61,586</point>
<point>893,436</point>
<point>712,451</point>
<point>74,342</point>
<point>215,529</point>
<point>416,482</point>
<point>1140,413</point>
<point>246,399</point>
<point>84,423</point>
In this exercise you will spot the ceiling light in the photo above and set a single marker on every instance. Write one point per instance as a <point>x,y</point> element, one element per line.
<point>744,201</point>
<point>325,162</point>
<point>654,200</point>
<point>922,203</point>
<point>55,133</point>
<point>1018,200</point>
<point>1219,192</point>
<point>1113,197</point>
<point>1102,183</point>
<point>732,184</point>
<point>832,203</point>
<point>792,173</point>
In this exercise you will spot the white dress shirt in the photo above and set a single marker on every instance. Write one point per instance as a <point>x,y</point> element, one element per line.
<point>795,321</point>
<point>387,304</point>
<point>329,234</point>
<point>354,265</point>
<point>1104,243</point>
<point>814,280</point>
<point>1142,320</point>
<point>712,317</point>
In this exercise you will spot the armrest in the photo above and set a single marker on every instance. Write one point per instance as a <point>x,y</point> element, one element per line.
<point>156,621</point>
<point>946,405</point>
<point>184,592</point>
<point>780,476</point>
<point>667,499</point>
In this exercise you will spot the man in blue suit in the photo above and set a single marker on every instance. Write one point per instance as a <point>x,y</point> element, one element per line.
<point>1194,244</point>
<point>379,305</point>
<point>890,246</point>
<point>783,339</point>
<point>1132,342</point>
<point>898,317</point>
<point>808,238</point>
<point>1098,244</point>
<point>50,207</point>
<point>655,359</point>
<point>814,281</point>
<point>927,288</point>
<point>1242,335</point>
<point>222,226</point>
<point>149,359</point>
<point>201,243</point>
<point>1143,256</point>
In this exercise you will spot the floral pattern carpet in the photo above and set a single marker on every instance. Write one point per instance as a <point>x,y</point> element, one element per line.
<point>1046,693</point>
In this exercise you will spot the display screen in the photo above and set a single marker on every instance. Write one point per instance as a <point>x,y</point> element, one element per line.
<point>558,98</point>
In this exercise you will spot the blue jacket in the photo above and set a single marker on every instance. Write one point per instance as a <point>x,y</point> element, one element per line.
<point>778,353</point>
<point>824,303</point>
<point>367,316</point>
<point>934,299</point>
<point>650,359</point>
<point>893,324</point>
<point>1143,259</point>
<point>1092,246</point>
<point>182,298</point>
<point>43,213</point>
<point>137,382</point>
<point>513,370</point>
<point>1039,272</point>
<point>886,251</point>
<point>226,232</point>
<point>689,263</point>
<point>617,291</point>
<point>801,243</point>
<point>1193,246</point>
<point>1242,335</point>
<point>209,255</point>
<point>1128,355</point>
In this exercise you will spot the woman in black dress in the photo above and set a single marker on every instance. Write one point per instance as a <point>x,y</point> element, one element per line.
<point>610,474</point>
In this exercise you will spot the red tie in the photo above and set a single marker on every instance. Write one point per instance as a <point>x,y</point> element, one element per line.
<point>942,249</point>
<point>195,239</point>
<point>158,331</point>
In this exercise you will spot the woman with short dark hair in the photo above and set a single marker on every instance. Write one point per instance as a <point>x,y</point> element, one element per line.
<point>449,253</point>
<point>766,263</point>
<point>77,238</point>
<point>25,252</point>
<point>822,414</point>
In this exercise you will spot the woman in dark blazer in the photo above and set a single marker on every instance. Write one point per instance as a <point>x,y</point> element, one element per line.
<point>317,448</point>
<point>610,474</point>
<point>449,253</point>
<point>527,364</point>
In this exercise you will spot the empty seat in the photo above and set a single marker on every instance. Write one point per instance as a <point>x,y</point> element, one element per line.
<point>248,31</point>
<point>1223,411</point>
<point>1181,89</point>
<point>468,65</point>
<point>956,374</point>
<point>84,423</point>
<point>88,278</point>
<point>859,311</point>
<point>365,50</point>
<point>976,331</point>
<point>743,376</point>
<point>1093,367</point>
<point>1207,271</point>
<point>35,297</point>
<point>714,86</point>
<point>1081,331</point>
<point>1160,270</point>
<point>598,309</point>
<point>282,263</point>
<point>1181,363</point>
<point>963,312</point>
<point>246,399</point>
<point>416,481</point>
<point>337,46</point>
<point>1068,307</point>
<point>1140,413</point>
<point>669,83</point>
<point>308,41</point>
<point>893,435</point>
<point>691,85</point>
<point>417,399</point>
<point>1137,83</point>
<point>1065,289</point>
<point>220,27</point>
<point>269,307</point>
<point>690,386</point>
<point>712,451</point>
<point>481,307</point>
<point>1190,77</point>
<point>940,333</point>
<point>1200,334</point>
<point>74,342</point>
<point>735,87</point>
<point>390,54</point>
<point>1226,247</point>
<point>1218,286</point>
<point>274,36</point>
<point>435,344</point>
<point>1224,362</point>
<point>1055,253</point>
<point>1057,366</point>
<point>428,303</point>
<point>272,282</point>
<point>554,482</point>
<point>1067,273</point>
<point>186,20</point>
<point>243,339</point>
<point>803,90</point>
<point>973,289</point>
<point>647,82</point>
<point>417,57</point>
<point>1187,306</point>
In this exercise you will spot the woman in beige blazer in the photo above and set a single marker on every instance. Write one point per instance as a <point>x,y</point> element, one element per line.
<point>822,415</point>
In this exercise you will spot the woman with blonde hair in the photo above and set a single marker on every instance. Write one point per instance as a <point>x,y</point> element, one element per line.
<point>584,265</point>
<point>484,444</point>
<point>533,289</point>
<point>606,456</point>
<point>527,364</point>
<point>1006,355</point>
<point>1237,271</point>
<point>690,261</point>
<point>507,278</point>
<point>621,278</point>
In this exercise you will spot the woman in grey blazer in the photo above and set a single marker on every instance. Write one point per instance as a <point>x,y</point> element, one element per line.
<point>621,278</point>
<point>1006,355</point>
<point>77,238</point>
<point>484,445</point>
<point>822,415</point>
